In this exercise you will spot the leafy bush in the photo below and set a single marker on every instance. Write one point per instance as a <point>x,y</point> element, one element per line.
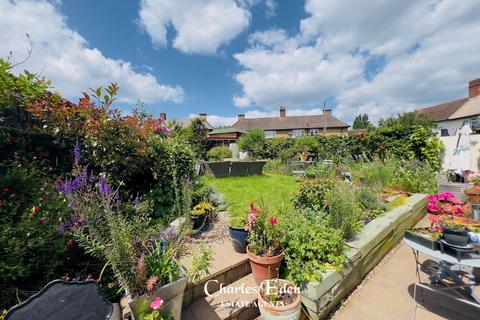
<point>31,252</point>
<point>219,153</point>
<point>370,202</point>
<point>416,177</point>
<point>311,247</point>
<point>378,174</point>
<point>342,210</point>
<point>276,167</point>
<point>312,193</point>
<point>253,141</point>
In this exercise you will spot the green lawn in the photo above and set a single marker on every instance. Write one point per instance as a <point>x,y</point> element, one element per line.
<point>273,190</point>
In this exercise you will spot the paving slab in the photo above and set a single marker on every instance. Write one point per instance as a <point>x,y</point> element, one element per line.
<point>387,294</point>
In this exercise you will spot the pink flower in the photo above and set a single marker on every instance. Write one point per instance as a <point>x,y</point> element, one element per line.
<point>438,228</point>
<point>273,220</point>
<point>433,218</point>
<point>156,303</point>
<point>432,199</point>
<point>446,196</point>
<point>432,207</point>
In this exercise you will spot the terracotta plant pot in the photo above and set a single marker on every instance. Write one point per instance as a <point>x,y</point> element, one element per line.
<point>264,268</point>
<point>473,195</point>
<point>289,311</point>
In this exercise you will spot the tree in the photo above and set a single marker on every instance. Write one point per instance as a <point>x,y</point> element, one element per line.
<point>362,122</point>
<point>253,141</point>
<point>198,138</point>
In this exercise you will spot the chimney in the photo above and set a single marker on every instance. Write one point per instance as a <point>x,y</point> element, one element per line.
<point>327,112</point>
<point>163,115</point>
<point>283,112</point>
<point>202,116</point>
<point>240,116</point>
<point>474,88</point>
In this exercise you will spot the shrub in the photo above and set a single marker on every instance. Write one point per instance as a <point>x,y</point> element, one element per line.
<point>416,177</point>
<point>312,193</point>
<point>311,247</point>
<point>31,252</point>
<point>275,146</point>
<point>370,202</point>
<point>276,166</point>
<point>253,141</point>
<point>219,153</point>
<point>342,210</point>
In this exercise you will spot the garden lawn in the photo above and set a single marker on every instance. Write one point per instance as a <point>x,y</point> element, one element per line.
<point>272,190</point>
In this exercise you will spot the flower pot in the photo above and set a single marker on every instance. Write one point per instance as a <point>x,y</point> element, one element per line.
<point>421,240</point>
<point>239,239</point>
<point>455,237</point>
<point>264,268</point>
<point>473,195</point>
<point>290,311</point>
<point>199,221</point>
<point>172,295</point>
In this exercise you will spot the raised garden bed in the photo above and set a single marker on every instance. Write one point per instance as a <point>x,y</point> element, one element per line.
<point>367,249</point>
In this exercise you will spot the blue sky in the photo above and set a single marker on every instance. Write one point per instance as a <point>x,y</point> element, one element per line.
<point>225,57</point>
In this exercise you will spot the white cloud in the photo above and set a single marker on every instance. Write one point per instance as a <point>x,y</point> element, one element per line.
<point>202,26</point>
<point>63,56</point>
<point>241,102</point>
<point>425,47</point>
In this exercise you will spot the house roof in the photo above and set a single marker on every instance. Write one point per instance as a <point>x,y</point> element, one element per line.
<point>470,108</point>
<point>226,130</point>
<point>288,123</point>
<point>443,111</point>
<point>186,122</point>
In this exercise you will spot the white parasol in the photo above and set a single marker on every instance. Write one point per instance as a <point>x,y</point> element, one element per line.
<point>462,155</point>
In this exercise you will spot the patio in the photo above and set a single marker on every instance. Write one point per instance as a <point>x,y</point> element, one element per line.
<point>387,293</point>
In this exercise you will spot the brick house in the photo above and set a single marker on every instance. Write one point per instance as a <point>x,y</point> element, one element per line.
<point>294,126</point>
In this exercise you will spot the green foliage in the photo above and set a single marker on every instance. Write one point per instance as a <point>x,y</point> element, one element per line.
<point>276,146</point>
<point>201,264</point>
<point>219,153</point>
<point>197,138</point>
<point>276,167</point>
<point>378,174</point>
<point>370,202</point>
<point>361,122</point>
<point>31,252</point>
<point>311,247</point>
<point>312,193</point>
<point>342,210</point>
<point>416,177</point>
<point>254,142</point>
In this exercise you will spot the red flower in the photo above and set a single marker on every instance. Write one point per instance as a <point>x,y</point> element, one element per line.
<point>7,190</point>
<point>35,210</point>
<point>3,203</point>
<point>70,243</point>
<point>13,196</point>
<point>273,220</point>
<point>437,228</point>
<point>434,218</point>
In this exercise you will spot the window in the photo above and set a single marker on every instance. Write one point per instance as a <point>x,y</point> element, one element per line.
<point>444,133</point>
<point>313,132</point>
<point>270,134</point>
<point>297,133</point>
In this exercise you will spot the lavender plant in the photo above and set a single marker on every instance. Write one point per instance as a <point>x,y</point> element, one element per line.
<point>101,224</point>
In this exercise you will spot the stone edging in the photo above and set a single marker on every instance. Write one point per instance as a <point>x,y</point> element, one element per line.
<point>367,249</point>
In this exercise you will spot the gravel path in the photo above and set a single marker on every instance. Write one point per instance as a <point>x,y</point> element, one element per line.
<point>216,232</point>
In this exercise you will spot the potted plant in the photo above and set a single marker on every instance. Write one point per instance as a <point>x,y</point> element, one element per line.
<point>473,194</point>
<point>427,237</point>
<point>157,311</point>
<point>454,232</point>
<point>238,235</point>
<point>279,299</point>
<point>200,215</point>
<point>142,262</point>
<point>264,249</point>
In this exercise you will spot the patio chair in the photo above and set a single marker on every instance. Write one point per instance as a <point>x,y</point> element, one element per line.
<point>219,168</point>
<point>239,168</point>
<point>65,300</point>
<point>255,167</point>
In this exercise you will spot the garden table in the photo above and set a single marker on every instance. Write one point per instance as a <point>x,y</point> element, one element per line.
<point>449,266</point>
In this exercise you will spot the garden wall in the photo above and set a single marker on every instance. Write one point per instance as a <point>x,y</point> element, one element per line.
<point>367,249</point>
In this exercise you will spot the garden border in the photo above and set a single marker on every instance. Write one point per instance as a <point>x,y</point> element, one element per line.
<point>367,249</point>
